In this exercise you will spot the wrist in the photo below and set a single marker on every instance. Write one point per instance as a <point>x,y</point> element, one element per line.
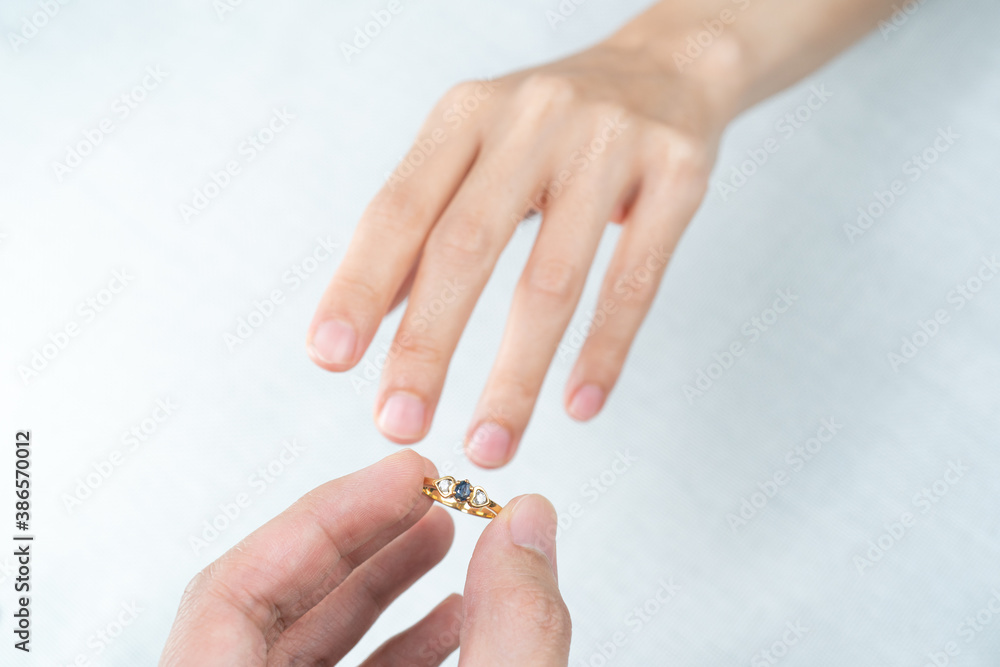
<point>708,52</point>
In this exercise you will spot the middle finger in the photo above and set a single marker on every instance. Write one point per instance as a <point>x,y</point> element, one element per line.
<point>458,259</point>
<point>545,299</point>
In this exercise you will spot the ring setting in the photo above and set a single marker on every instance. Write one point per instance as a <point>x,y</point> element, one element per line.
<point>462,496</point>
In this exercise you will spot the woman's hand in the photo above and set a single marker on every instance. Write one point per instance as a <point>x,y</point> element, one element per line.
<point>305,587</point>
<point>613,133</point>
<point>625,131</point>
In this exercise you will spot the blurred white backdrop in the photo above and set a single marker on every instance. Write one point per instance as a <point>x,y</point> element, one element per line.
<point>165,292</point>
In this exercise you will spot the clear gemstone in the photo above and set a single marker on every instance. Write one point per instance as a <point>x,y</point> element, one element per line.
<point>463,491</point>
<point>445,486</point>
<point>479,498</point>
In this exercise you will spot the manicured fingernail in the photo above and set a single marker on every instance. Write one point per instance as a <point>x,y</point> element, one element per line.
<point>586,403</point>
<point>334,342</point>
<point>489,445</point>
<point>402,417</point>
<point>533,525</point>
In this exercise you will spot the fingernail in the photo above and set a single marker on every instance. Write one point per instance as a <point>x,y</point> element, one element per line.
<point>489,445</point>
<point>402,417</point>
<point>586,403</point>
<point>334,342</point>
<point>533,525</point>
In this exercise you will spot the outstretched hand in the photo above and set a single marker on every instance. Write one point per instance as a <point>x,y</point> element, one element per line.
<point>607,134</point>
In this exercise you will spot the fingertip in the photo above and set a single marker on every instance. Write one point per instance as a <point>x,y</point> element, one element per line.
<point>402,418</point>
<point>490,445</point>
<point>512,588</point>
<point>430,470</point>
<point>453,607</point>
<point>532,522</point>
<point>586,402</point>
<point>411,463</point>
<point>332,344</point>
<point>443,525</point>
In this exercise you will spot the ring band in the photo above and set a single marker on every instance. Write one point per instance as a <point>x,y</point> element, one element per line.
<point>461,496</point>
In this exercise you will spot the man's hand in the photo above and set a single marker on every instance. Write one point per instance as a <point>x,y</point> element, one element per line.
<point>305,587</point>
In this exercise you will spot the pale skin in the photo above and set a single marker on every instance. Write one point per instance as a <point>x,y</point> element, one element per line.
<point>444,223</point>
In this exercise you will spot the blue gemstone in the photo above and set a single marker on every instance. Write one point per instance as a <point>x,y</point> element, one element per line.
<point>463,491</point>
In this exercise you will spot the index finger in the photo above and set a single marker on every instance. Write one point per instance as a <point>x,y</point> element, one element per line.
<point>290,564</point>
<point>388,240</point>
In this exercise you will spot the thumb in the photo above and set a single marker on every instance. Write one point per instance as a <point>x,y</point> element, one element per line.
<point>514,614</point>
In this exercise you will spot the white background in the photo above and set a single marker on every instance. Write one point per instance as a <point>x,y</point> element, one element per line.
<point>665,518</point>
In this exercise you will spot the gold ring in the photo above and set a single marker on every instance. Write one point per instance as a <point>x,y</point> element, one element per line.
<point>461,496</point>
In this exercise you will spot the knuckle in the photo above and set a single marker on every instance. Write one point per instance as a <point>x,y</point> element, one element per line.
<point>517,390</point>
<point>392,212</point>
<point>418,348</point>
<point>196,585</point>
<point>684,156</point>
<point>553,279</point>
<point>359,288</point>
<point>610,118</point>
<point>548,87</point>
<point>638,287</point>
<point>606,351</point>
<point>465,98</point>
<point>464,90</point>
<point>543,611</point>
<point>540,94</point>
<point>461,90</point>
<point>462,244</point>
